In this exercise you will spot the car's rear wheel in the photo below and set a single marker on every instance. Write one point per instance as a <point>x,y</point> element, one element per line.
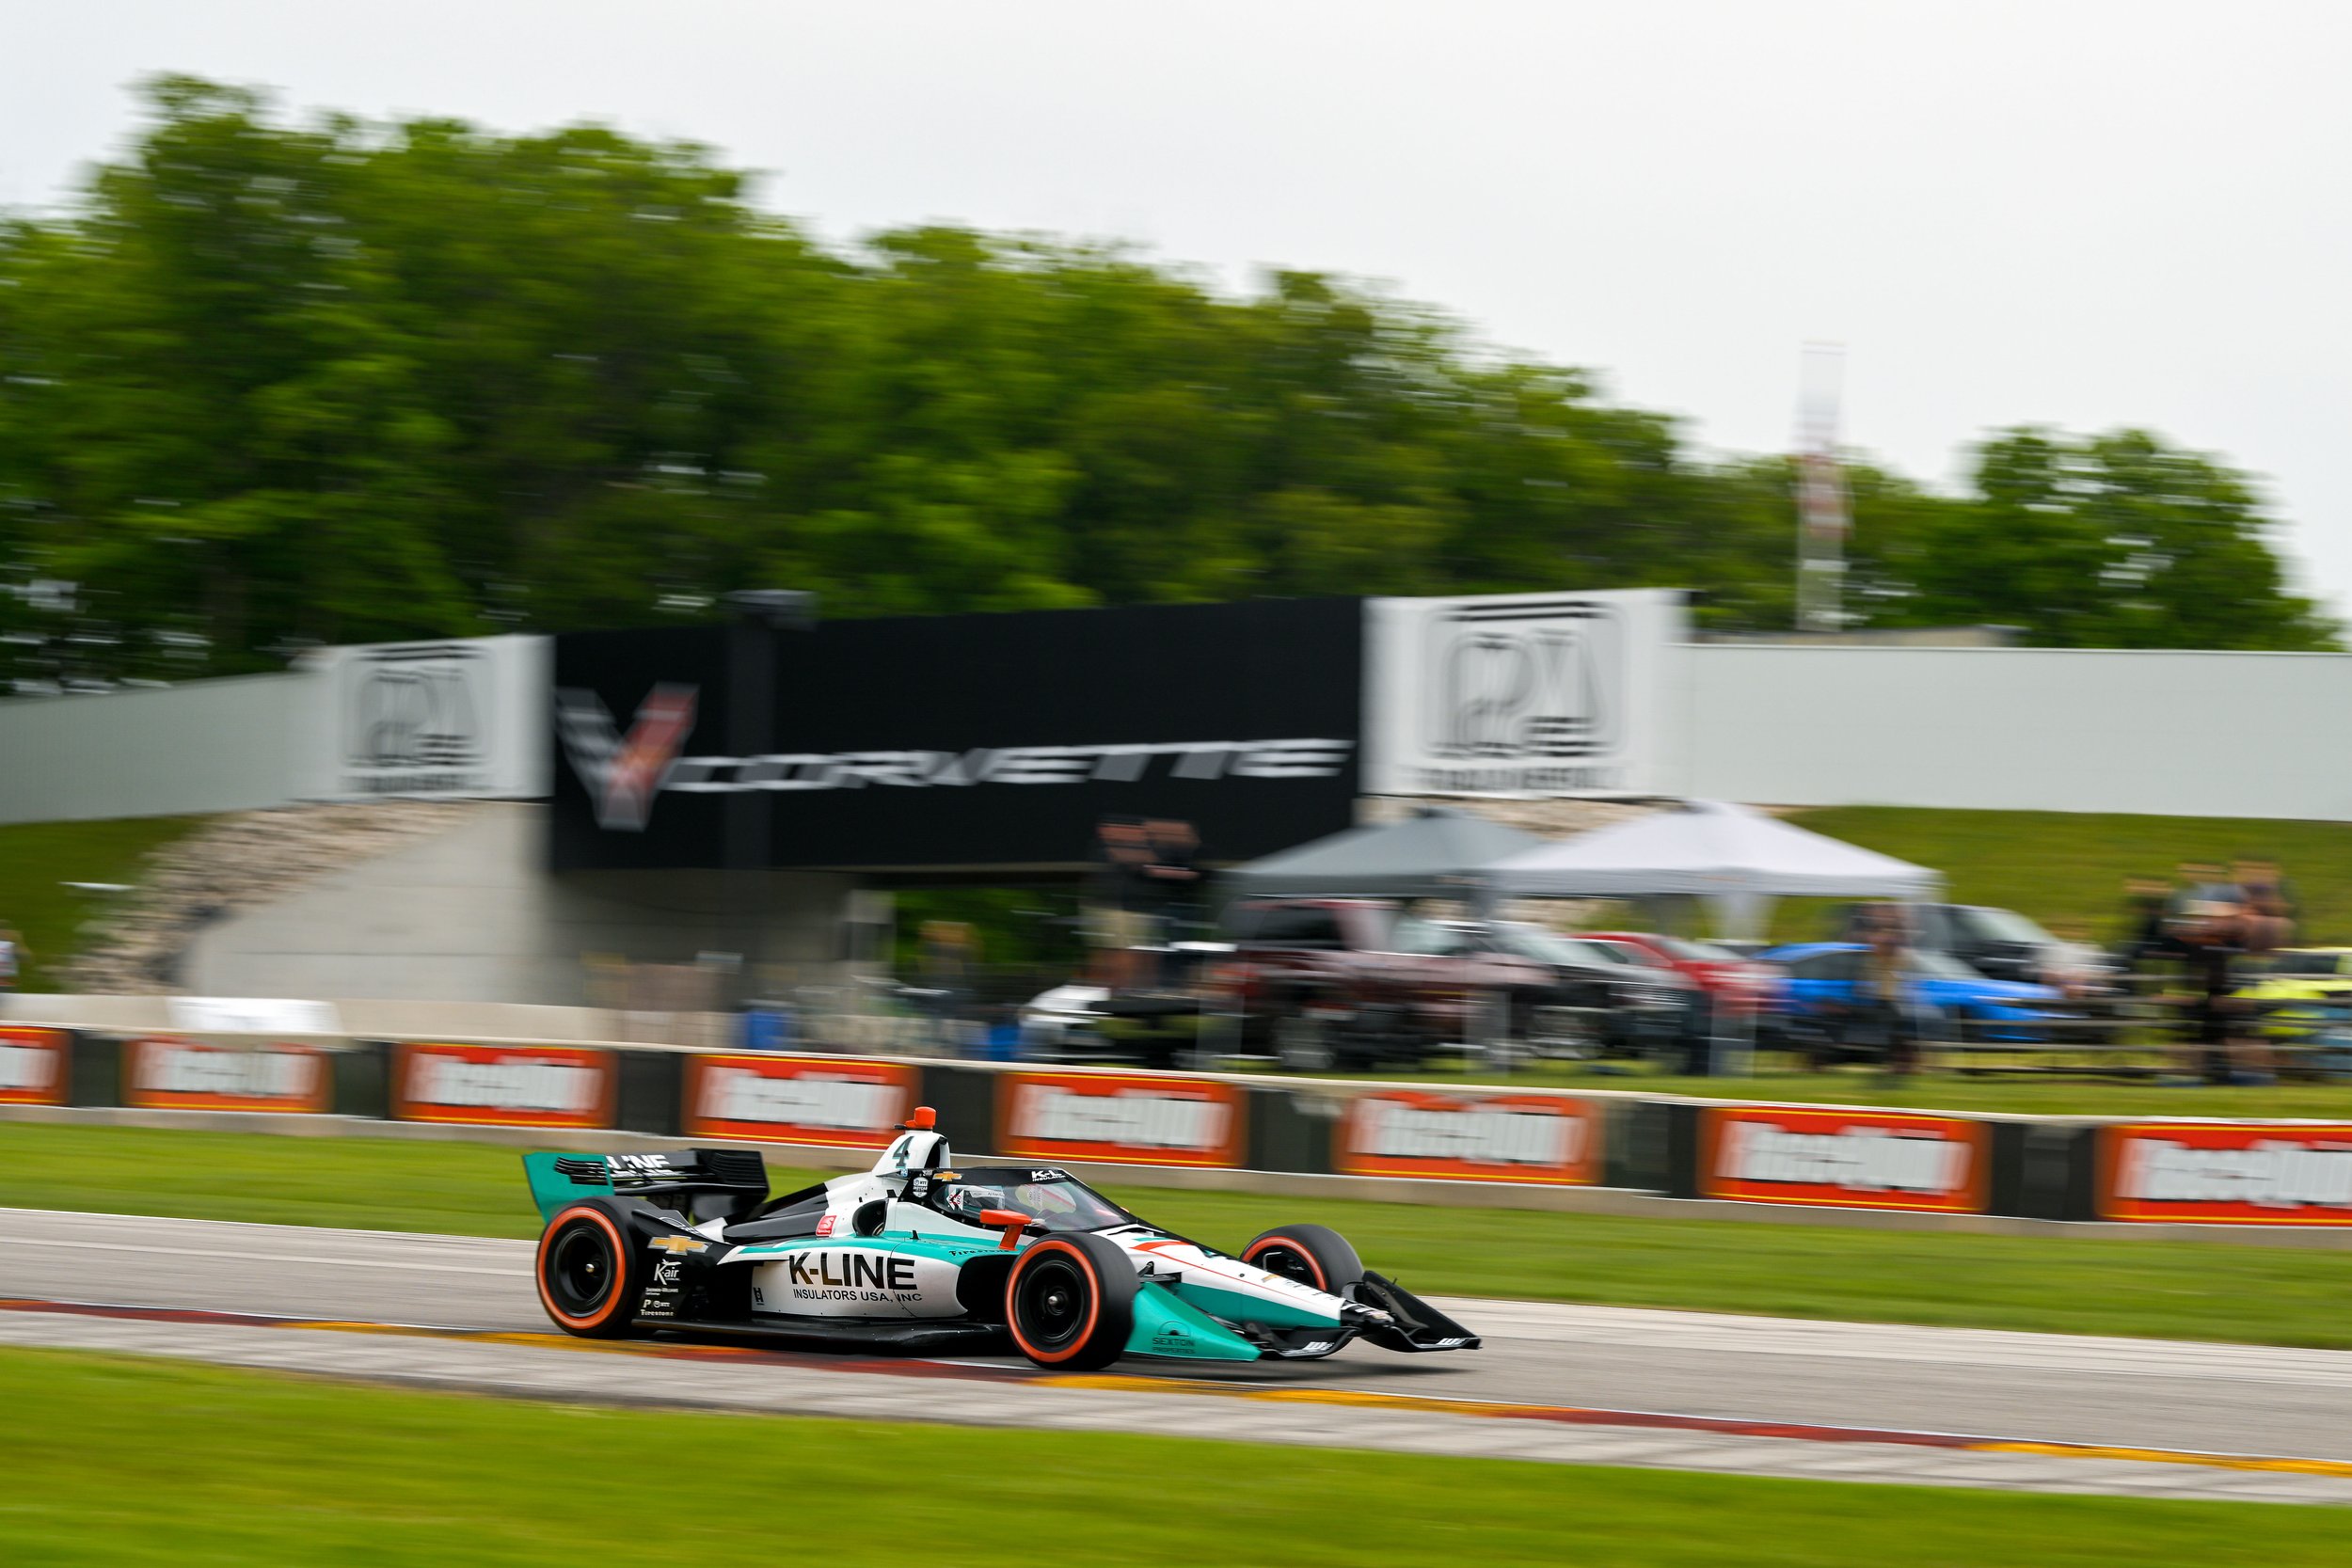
<point>591,1281</point>
<point>1070,1301</point>
<point>1314,1256</point>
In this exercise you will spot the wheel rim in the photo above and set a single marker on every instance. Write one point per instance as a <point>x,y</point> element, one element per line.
<point>1290,1265</point>
<point>580,1271</point>
<point>1053,1300</point>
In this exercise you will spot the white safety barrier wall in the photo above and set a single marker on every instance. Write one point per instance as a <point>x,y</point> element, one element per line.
<point>208,745</point>
<point>2163,733</point>
<point>2027,729</point>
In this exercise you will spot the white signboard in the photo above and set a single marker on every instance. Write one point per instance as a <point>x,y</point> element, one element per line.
<point>253,1014</point>
<point>1520,694</point>
<point>465,718</point>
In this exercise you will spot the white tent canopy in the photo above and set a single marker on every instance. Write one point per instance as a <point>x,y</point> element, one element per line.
<point>1732,855</point>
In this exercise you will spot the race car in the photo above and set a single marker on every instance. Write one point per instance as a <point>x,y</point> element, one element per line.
<point>918,1254</point>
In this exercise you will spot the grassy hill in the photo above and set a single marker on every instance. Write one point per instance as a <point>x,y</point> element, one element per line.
<point>2066,869</point>
<point>38,859</point>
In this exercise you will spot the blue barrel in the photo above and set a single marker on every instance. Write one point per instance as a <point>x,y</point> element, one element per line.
<point>767,1029</point>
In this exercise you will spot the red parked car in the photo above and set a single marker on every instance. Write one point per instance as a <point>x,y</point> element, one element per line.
<point>1733,985</point>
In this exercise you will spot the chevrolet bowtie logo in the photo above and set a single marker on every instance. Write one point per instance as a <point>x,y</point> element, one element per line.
<point>680,1243</point>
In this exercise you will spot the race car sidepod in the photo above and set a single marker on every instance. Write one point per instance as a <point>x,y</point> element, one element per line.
<point>1166,1325</point>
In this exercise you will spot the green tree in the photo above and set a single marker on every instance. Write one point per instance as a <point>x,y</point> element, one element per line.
<point>273,384</point>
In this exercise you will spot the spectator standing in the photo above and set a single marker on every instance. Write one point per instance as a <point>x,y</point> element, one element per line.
<point>14,955</point>
<point>2218,1045</point>
<point>1115,926</point>
<point>2146,900</point>
<point>1171,877</point>
<point>1883,1014</point>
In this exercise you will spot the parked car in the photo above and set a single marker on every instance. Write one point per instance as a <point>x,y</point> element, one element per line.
<point>1818,979</point>
<point>1354,983</point>
<point>1997,943</point>
<point>1732,983</point>
<point>2302,991</point>
<point>1607,1001</point>
<point>1157,1023</point>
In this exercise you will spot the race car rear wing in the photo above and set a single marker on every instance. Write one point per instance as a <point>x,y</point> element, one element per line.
<point>703,1183</point>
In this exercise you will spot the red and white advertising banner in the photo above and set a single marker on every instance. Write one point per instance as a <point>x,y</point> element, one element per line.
<point>798,1100</point>
<point>506,1086</point>
<point>1125,1118</point>
<point>164,1072</point>
<point>1470,1138</point>
<point>2226,1173</point>
<point>33,1065</point>
<point>1844,1159</point>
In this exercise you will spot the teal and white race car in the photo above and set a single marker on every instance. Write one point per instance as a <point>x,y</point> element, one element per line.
<point>920,1253</point>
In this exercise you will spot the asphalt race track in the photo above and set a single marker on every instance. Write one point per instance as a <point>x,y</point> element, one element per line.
<point>1601,1384</point>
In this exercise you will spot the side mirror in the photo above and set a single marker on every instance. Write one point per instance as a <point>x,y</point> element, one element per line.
<point>1012,1222</point>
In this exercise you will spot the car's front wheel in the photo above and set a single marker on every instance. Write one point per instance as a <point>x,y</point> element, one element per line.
<point>1070,1301</point>
<point>591,1281</point>
<point>1315,1255</point>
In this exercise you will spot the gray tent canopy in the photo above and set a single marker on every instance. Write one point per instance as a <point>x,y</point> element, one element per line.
<point>1437,853</point>
<point>1736,857</point>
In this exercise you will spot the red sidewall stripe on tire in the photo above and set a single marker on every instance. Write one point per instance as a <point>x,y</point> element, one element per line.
<point>620,1266</point>
<point>1094,1304</point>
<point>1295,1245</point>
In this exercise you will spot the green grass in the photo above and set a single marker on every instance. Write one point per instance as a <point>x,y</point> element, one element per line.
<point>1936,1091</point>
<point>2066,869</point>
<point>128,1462</point>
<point>38,859</point>
<point>2076,1284</point>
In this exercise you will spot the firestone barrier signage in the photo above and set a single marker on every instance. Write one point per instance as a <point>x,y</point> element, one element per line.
<point>2226,1173</point>
<point>1470,1138</point>
<point>500,1085</point>
<point>826,1100</point>
<point>1142,1119</point>
<point>165,1072</point>
<point>1844,1159</point>
<point>33,1065</point>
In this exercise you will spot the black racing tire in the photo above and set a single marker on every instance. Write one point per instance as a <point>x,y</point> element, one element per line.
<point>1070,1301</point>
<point>590,1273</point>
<point>1313,1255</point>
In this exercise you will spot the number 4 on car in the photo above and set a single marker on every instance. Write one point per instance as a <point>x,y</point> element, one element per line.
<point>919,1254</point>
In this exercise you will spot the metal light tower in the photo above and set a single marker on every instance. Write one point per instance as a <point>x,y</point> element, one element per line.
<point>1821,520</point>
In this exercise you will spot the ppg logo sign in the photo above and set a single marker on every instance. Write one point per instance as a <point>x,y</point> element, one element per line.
<point>1534,682</point>
<point>1518,694</point>
<point>413,719</point>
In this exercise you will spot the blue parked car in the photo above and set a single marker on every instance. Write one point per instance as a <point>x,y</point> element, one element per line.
<point>1818,975</point>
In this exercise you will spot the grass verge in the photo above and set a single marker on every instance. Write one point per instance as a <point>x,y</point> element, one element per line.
<point>141,1463</point>
<point>1935,1092</point>
<point>2069,1284</point>
<point>38,859</point>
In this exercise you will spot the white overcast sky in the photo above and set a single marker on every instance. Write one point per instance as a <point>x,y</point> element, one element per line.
<point>2084,213</point>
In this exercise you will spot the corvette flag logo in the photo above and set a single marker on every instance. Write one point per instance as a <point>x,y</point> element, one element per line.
<point>623,773</point>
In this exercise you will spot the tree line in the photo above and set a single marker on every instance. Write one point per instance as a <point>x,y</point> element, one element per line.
<point>269,383</point>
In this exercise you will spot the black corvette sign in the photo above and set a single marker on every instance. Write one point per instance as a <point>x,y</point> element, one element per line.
<point>952,741</point>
